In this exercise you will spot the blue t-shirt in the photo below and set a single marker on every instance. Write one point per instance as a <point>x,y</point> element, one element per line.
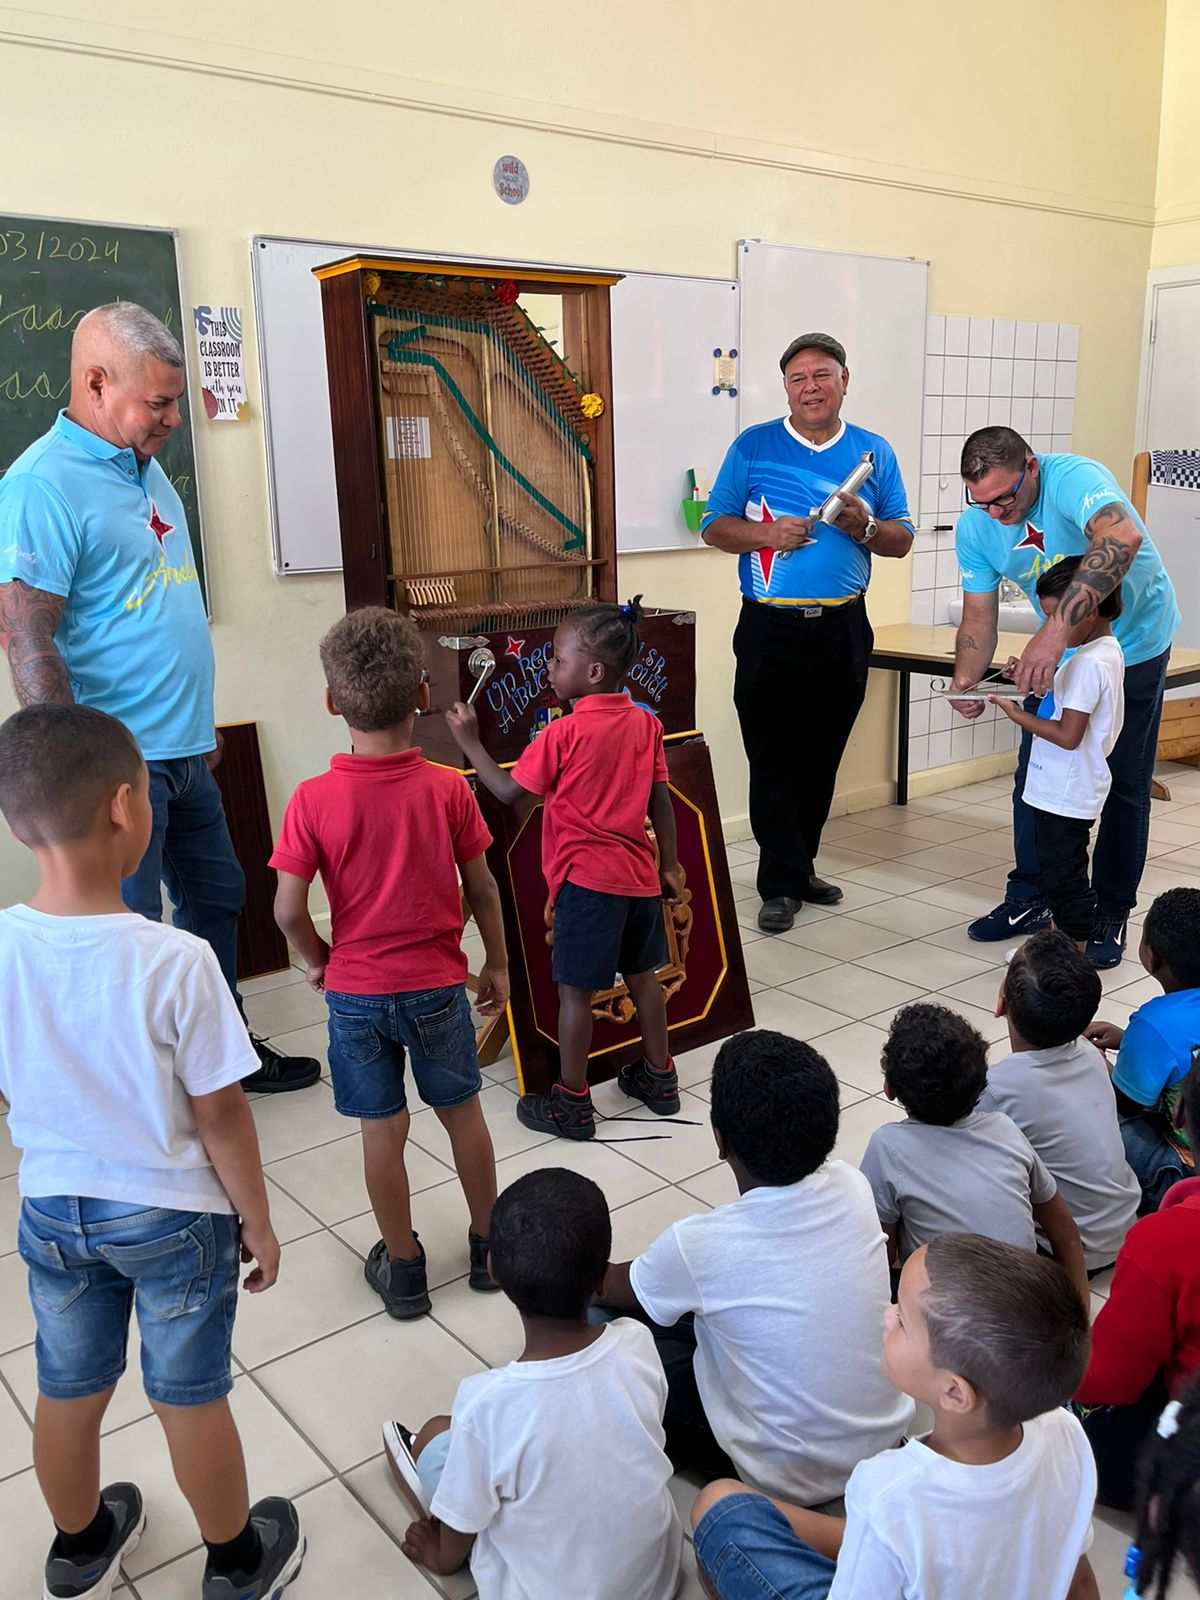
<point>1156,1051</point>
<point>772,471</point>
<point>1073,489</point>
<point>87,520</point>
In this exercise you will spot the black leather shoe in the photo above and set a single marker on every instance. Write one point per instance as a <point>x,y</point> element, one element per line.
<point>820,893</point>
<point>778,915</point>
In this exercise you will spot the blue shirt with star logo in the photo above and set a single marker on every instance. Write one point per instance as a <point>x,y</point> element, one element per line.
<point>87,520</point>
<point>772,471</point>
<point>1073,489</point>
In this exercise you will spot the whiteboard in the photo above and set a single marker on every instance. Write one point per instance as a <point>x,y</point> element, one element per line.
<point>874,305</point>
<point>666,418</point>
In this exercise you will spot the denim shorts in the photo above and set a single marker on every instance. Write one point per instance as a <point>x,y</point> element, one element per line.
<point>598,935</point>
<point>91,1261</point>
<point>748,1550</point>
<point>369,1036</point>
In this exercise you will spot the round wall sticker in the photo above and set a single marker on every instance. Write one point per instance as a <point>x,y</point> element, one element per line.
<point>510,179</point>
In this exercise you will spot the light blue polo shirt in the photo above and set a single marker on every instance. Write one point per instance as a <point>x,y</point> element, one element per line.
<point>1073,489</point>
<point>87,520</point>
<point>771,471</point>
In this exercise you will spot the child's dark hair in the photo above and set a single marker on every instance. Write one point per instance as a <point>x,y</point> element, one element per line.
<point>58,765</point>
<point>1172,930</point>
<point>775,1105</point>
<point>609,633</point>
<point>935,1063</point>
<point>550,1240</point>
<point>1168,1521</point>
<point>1056,580</point>
<point>373,664</point>
<point>1008,1321</point>
<point>1051,990</point>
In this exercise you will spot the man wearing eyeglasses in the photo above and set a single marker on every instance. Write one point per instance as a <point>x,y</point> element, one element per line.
<point>1023,513</point>
<point>803,625</point>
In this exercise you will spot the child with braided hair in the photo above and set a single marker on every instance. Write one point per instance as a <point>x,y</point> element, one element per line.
<point>1168,1524</point>
<point>599,772</point>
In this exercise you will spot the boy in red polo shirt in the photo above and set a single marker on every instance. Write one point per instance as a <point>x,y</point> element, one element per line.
<point>389,834</point>
<point>599,771</point>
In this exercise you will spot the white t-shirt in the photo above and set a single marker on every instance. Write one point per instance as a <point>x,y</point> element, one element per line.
<point>1075,783</point>
<point>110,1023</point>
<point>789,1286</point>
<point>558,1469</point>
<point>1063,1102</point>
<point>919,1527</point>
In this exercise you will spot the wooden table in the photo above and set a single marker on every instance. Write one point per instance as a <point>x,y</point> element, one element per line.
<point>907,647</point>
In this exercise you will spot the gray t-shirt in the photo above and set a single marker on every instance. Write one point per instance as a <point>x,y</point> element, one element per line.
<point>979,1175</point>
<point>1063,1102</point>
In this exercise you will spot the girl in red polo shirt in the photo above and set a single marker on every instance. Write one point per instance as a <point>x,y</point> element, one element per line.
<point>599,772</point>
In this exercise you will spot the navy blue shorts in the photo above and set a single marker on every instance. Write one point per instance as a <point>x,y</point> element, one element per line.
<point>371,1035</point>
<point>598,935</point>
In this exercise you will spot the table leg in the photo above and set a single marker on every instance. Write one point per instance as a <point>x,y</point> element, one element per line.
<point>902,739</point>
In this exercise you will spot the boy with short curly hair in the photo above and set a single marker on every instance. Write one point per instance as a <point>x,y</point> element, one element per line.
<point>949,1167</point>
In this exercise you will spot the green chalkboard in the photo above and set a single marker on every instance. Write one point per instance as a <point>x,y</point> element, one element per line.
<point>51,273</point>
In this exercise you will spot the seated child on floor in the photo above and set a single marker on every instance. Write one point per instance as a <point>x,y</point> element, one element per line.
<point>994,1504</point>
<point>549,1475</point>
<point>1056,1088</point>
<point>1154,1049</point>
<point>389,833</point>
<point>768,1312</point>
<point>1167,1526</point>
<point>950,1167</point>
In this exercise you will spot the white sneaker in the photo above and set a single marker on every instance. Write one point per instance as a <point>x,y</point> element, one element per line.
<point>398,1442</point>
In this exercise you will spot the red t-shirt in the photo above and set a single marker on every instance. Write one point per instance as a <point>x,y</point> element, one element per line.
<point>595,769</point>
<point>1150,1322</point>
<point>385,834</point>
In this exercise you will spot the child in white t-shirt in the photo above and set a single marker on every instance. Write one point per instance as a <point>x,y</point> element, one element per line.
<point>1074,730</point>
<point>549,1476</point>
<point>995,1503</point>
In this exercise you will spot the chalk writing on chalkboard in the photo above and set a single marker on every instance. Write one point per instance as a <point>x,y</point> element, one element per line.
<point>52,274</point>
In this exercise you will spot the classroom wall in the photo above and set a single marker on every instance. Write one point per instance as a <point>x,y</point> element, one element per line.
<point>655,137</point>
<point>1176,238</point>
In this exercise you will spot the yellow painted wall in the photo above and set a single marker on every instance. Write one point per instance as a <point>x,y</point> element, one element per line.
<point>656,136</point>
<point>1176,240</point>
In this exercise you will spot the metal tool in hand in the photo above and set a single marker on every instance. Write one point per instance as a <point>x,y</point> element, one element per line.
<point>855,479</point>
<point>999,688</point>
<point>482,663</point>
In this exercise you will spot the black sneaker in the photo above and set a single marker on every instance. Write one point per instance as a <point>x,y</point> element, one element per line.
<point>283,1546</point>
<point>571,1116</point>
<point>480,1278</point>
<point>658,1090</point>
<point>279,1074</point>
<point>401,1285</point>
<point>1010,920</point>
<point>1107,943</point>
<point>398,1446</point>
<point>92,1577</point>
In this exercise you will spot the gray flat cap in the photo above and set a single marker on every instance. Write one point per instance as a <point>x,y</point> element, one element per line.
<point>814,341</point>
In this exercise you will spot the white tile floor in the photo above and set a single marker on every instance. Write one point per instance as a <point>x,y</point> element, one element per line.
<point>320,1365</point>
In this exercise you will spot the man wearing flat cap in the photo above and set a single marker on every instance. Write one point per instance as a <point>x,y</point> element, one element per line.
<point>803,639</point>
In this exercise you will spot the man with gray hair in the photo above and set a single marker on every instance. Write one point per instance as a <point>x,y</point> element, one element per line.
<point>100,605</point>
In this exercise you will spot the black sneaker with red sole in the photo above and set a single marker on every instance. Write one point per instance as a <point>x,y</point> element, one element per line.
<point>657,1090</point>
<point>569,1115</point>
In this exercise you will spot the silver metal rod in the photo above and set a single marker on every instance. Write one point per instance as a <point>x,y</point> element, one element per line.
<point>482,663</point>
<point>854,482</point>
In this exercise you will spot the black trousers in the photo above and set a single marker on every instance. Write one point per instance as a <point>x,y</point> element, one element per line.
<point>799,685</point>
<point>1062,853</point>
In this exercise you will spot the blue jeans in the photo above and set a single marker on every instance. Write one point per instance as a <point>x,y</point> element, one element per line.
<point>747,1550</point>
<point>1155,1162</point>
<point>191,852</point>
<point>91,1261</point>
<point>370,1035</point>
<point>1124,831</point>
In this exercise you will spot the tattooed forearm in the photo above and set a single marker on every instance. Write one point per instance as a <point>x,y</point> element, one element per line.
<point>1113,541</point>
<point>28,620</point>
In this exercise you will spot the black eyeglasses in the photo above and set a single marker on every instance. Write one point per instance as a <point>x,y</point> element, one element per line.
<point>1000,503</point>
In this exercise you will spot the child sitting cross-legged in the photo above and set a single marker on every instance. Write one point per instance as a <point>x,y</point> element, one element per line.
<point>949,1167</point>
<point>549,1476</point>
<point>994,1504</point>
<point>1056,1088</point>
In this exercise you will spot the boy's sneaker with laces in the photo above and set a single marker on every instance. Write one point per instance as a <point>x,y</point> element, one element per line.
<point>656,1087</point>
<point>1108,942</point>
<point>562,1111</point>
<point>92,1577</point>
<point>277,1073</point>
<point>1010,920</point>
<point>398,1446</point>
<point>480,1278</point>
<point>401,1285</point>
<point>283,1545</point>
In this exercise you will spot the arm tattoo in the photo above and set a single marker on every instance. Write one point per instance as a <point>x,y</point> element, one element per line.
<point>1113,541</point>
<point>965,642</point>
<point>28,620</point>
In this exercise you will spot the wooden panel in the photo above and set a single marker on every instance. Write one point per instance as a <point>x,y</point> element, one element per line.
<point>261,948</point>
<point>587,344</point>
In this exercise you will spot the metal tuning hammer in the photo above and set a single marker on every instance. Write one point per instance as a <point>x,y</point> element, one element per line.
<point>482,663</point>
<point>854,482</point>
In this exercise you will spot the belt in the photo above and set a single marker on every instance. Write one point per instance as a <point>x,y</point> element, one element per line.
<point>802,608</point>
